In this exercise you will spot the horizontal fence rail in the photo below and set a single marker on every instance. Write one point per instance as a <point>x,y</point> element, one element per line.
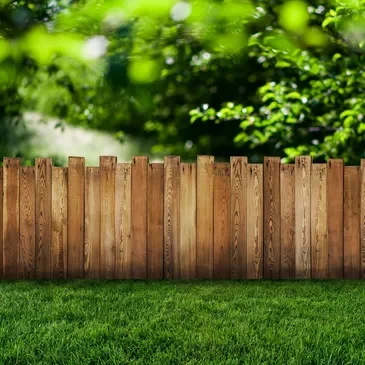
<point>175,220</point>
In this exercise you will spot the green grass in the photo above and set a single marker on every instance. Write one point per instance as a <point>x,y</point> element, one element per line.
<point>90,322</point>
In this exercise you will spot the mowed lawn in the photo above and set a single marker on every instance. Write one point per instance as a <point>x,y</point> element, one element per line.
<point>248,322</point>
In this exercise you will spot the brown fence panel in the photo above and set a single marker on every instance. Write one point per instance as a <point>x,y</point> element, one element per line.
<point>1,220</point>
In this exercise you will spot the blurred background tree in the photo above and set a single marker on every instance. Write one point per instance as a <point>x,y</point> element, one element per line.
<point>220,77</point>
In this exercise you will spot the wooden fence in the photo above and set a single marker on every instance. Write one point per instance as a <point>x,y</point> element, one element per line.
<point>176,220</point>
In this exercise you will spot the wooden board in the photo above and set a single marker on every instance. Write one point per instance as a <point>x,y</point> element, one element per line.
<point>272,217</point>
<point>335,218</point>
<point>76,217</point>
<point>139,217</point>
<point>107,217</point>
<point>287,231</point>
<point>155,231</point>
<point>188,220</point>
<point>11,218</point>
<point>1,221</point>
<point>43,217</point>
<point>362,218</point>
<point>27,223</point>
<point>172,268</point>
<point>352,202</point>
<point>92,223</point>
<point>222,211</point>
<point>204,234</point>
<point>59,223</point>
<point>254,221</point>
<point>123,226</point>
<point>302,217</point>
<point>238,217</point>
<point>319,249</point>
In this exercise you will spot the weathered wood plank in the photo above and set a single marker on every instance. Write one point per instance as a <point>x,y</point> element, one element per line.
<point>1,220</point>
<point>204,244</point>
<point>319,240</point>
<point>75,217</point>
<point>59,223</point>
<point>222,210</point>
<point>172,267</point>
<point>272,217</point>
<point>92,223</point>
<point>302,217</point>
<point>362,218</point>
<point>27,223</point>
<point>139,217</point>
<point>238,217</point>
<point>11,225</point>
<point>123,223</point>
<point>287,187</point>
<point>155,251</point>
<point>352,240</point>
<point>255,221</point>
<point>43,217</point>
<point>107,214</point>
<point>335,218</point>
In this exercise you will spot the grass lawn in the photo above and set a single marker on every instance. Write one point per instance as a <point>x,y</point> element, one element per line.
<point>96,322</point>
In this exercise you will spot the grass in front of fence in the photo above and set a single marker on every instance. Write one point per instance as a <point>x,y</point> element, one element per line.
<point>88,322</point>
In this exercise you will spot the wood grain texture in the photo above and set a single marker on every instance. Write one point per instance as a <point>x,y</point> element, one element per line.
<point>287,193</point>
<point>43,217</point>
<point>27,223</point>
<point>222,227</point>
<point>75,217</point>
<point>139,217</point>
<point>352,202</point>
<point>204,234</point>
<point>188,220</point>
<point>155,224</point>
<point>319,242</point>
<point>172,267</point>
<point>255,221</point>
<point>272,217</point>
<point>238,217</point>
<point>59,223</point>
<point>1,220</point>
<point>11,225</point>
<point>107,215</point>
<point>362,218</point>
<point>92,223</point>
<point>123,223</point>
<point>302,217</point>
<point>335,218</point>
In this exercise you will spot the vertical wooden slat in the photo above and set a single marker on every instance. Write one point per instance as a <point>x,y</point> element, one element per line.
<point>335,218</point>
<point>238,217</point>
<point>123,225</point>
<point>1,220</point>
<point>139,217</point>
<point>287,192</point>
<point>172,268</point>
<point>302,217</point>
<point>11,218</point>
<point>188,220</point>
<point>92,223</point>
<point>352,202</point>
<point>272,217</point>
<point>27,223</point>
<point>319,249</point>
<point>107,214</point>
<point>222,212</point>
<point>75,217</point>
<point>204,234</point>
<point>362,217</point>
<point>255,221</point>
<point>59,223</point>
<point>43,217</point>
<point>155,252</point>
